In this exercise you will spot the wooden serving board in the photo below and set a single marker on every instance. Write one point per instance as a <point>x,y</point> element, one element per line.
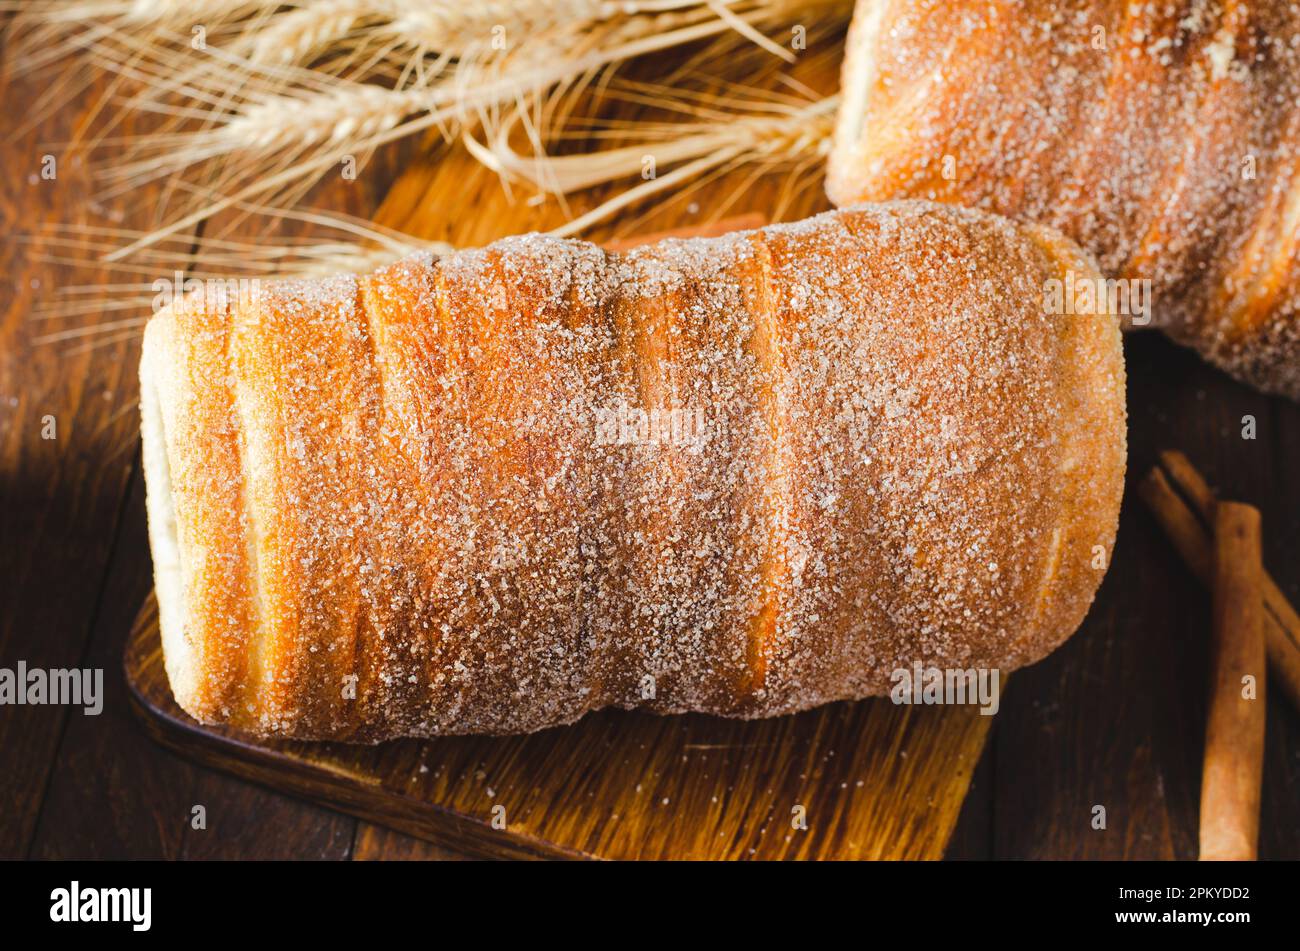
<point>874,780</point>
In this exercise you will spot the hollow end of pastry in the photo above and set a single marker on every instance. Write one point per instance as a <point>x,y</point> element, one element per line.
<point>164,536</point>
<point>1090,462</point>
<point>843,174</point>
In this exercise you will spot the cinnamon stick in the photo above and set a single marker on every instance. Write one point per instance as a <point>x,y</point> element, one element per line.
<point>1184,504</point>
<point>708,230</point>
<point>1234,732</point>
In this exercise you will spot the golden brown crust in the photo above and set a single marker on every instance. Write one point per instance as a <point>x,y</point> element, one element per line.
<point>425,501</point>
<point>1162,137</point>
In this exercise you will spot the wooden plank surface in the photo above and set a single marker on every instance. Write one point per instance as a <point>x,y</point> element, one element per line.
<point>874,780</point>
<point>61,498</point>
<point>1115,717</point>
<point>97,787</point>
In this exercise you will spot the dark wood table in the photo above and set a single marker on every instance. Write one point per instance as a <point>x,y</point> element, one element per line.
<point>1115,718</point>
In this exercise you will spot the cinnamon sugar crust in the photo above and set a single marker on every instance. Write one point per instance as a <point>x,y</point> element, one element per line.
<point>1163,137</point>
<point>396,505</point>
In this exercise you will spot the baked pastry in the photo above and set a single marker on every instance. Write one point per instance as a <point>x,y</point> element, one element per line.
<point>743,476</point>
<point>1163,137</point>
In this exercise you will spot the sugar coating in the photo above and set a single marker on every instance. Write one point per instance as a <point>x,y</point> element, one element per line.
<point>402,511</point>
<point>1162,136</point>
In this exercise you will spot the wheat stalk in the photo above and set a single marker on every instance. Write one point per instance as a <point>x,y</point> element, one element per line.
<point>265,130</point>
<point>793,132</point>
<point>296,35</point>
<point>44,30</point>
<point>273,145</point>
<point>563,40</point>
<point>446,29</point>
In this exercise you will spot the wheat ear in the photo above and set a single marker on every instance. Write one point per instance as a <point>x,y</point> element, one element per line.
<point>281,142</point>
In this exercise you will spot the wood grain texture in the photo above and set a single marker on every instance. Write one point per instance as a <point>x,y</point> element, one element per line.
<point>1115,717</point>
<point>115,800</point>
<point>874,780</point>
<point>247,821</point>
<point>99,788</point>
<point>61,498</point>
<point>374,842</point>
